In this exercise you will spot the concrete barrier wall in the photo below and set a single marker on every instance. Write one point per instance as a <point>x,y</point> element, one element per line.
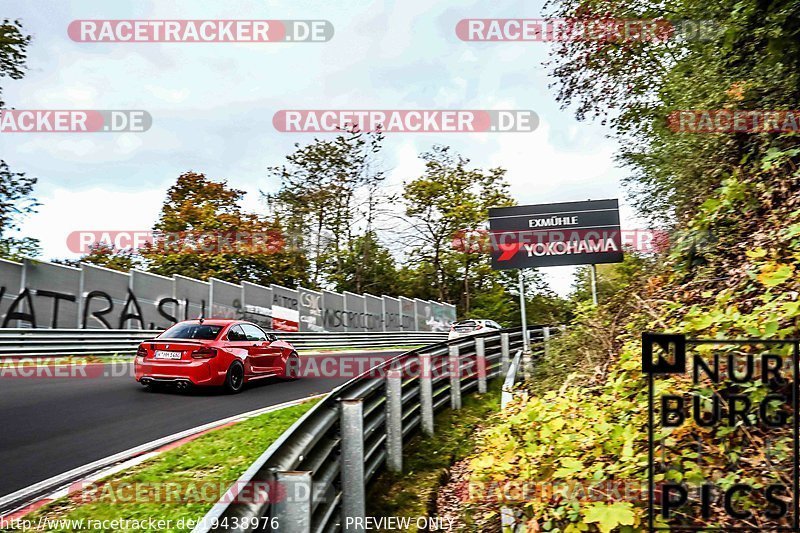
<point>39,294</point>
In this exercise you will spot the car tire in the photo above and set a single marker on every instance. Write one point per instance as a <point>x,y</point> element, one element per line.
<point>291,369</point>
<point>234,379</point>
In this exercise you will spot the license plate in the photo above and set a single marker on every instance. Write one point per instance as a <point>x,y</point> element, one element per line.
<point>464,330</point>
<point>164,354</point>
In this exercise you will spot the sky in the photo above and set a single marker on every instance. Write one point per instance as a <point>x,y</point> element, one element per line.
<point>212,106</point>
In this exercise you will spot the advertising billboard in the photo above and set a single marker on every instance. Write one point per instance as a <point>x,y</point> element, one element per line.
<point>285,309</point>
<point>568,233</point>
<point>310,310</point>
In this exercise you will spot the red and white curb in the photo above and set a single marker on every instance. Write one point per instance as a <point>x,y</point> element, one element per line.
<point>24,501</point>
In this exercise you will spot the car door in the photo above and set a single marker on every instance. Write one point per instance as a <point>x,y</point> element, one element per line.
<point>236,343</point>
<point>262,355</point>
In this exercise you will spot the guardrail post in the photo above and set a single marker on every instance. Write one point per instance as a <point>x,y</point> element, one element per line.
<point>394,421</point>
<point>480,363</point>
<point>455,377</point>
<point>292,512</point>
<point>351,421</point>
<point>505,353</point>
<point>426,392</point>
<point>546,340</point>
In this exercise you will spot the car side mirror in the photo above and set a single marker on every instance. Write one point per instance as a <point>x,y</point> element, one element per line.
<point>271,337</point>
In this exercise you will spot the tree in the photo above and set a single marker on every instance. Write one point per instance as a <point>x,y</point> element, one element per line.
<point>16,188</point>
<point>106,256</point>
<point>367,266</point>
<point>447,200</point>
<point>329,189</point>
<point>16,201</point>
<point>203,232</point>
<point>13,51</point>
<point>741,63</point>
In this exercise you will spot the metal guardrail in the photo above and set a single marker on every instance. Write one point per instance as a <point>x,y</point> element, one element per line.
<point>52,342</point>
<point>325,461</point>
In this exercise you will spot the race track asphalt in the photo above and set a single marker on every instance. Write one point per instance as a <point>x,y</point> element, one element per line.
<point>53,424</point>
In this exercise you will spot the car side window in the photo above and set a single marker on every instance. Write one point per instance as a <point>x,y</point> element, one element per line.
<point>236,334</point>
<point>253,333</point>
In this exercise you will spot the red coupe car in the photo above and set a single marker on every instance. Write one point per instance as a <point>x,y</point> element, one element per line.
<point>214,352</point>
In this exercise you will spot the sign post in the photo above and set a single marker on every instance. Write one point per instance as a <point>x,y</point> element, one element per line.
<point>526,342</point>
<point>593,275</point>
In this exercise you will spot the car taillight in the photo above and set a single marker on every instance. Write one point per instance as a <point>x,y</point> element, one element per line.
<point>141,351</point>
<point>479,326</point>
<point>452,328</point>
<point>204,353</point>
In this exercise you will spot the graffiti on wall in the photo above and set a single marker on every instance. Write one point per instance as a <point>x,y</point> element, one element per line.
<point>36,294</point>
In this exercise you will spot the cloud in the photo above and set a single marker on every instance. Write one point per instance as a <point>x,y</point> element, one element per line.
<point>67,210</point>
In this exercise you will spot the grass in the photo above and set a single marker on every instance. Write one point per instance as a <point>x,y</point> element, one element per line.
<point>426,460</point>
<point>216,459</point>
<point>24,361</point>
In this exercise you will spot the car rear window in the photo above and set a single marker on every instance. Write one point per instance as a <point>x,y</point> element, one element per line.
<point>466,324</point>
<point>203,332</point>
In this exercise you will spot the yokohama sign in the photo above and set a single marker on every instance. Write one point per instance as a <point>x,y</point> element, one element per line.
<point>570,233</point>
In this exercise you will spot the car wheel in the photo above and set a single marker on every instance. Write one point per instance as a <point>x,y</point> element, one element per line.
<point>291,369</point>
<point>234,380</point>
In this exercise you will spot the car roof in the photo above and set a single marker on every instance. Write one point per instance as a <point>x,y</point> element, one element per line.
<point>214,321</point>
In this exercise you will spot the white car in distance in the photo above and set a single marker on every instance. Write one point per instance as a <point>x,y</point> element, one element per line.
<point>471,326</point>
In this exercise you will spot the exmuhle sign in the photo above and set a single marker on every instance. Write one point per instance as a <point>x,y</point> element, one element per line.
<point>568,233</point>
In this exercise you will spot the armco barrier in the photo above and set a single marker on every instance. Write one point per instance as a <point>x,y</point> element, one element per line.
<point>325,461</point>
<point>51,342</point>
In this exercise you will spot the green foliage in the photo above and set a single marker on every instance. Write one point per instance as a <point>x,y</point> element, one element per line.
<point>576,434</point>
<point>748,60</point>
<point>450,200</point>
<point>366,266</point>
<point>329,189</point>
<point>13,51</point>
<point>16,188</point>
<point>201,210</point>
<point>108,257</point>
